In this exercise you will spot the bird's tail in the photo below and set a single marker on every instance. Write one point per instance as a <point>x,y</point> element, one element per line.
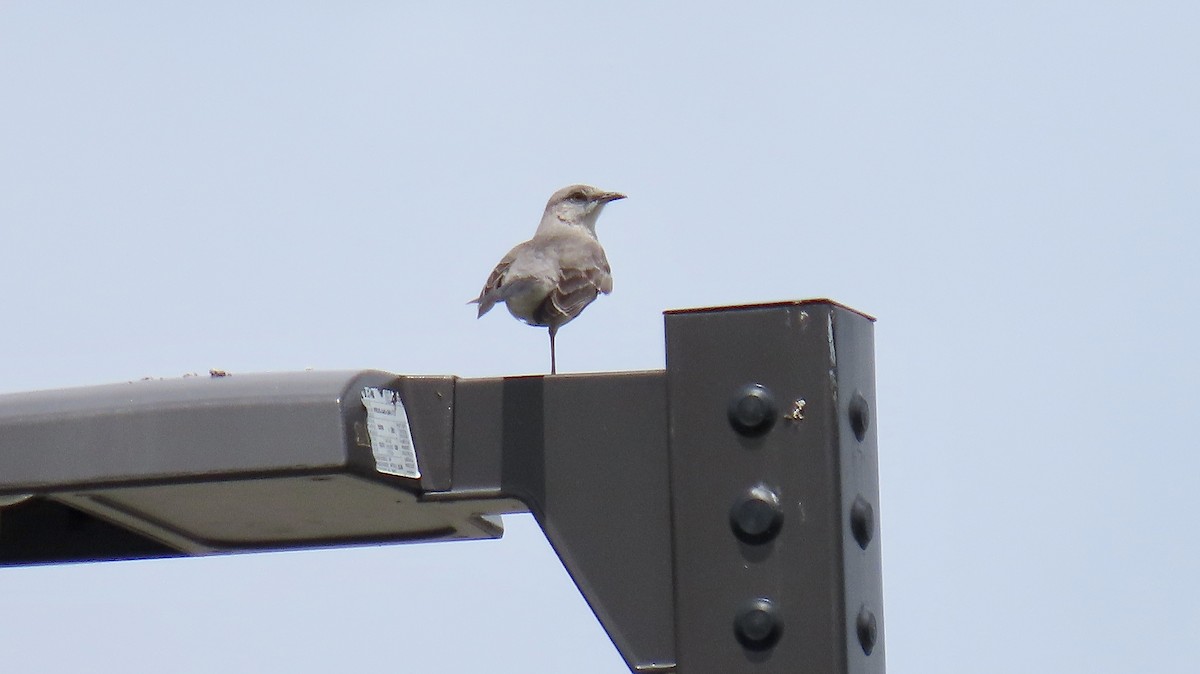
<point>485,304</point>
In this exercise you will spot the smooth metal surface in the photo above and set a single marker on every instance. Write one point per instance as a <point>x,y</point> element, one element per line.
<point>587,455</point>
<point>200,465</point>
<point>242,425</point>
<point>607,504</point>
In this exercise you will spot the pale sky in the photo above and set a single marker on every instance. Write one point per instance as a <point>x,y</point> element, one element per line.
<point>1011,188</point>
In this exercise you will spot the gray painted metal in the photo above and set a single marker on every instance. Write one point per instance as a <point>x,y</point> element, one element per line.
<point>199,465</point>
<point>587,455</point>
<point>712,524</point>
<point>809,357</point>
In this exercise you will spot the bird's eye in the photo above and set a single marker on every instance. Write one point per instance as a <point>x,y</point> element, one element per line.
<point>577,196</point>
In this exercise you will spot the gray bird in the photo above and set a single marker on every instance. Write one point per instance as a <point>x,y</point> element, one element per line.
<point>551,278</point>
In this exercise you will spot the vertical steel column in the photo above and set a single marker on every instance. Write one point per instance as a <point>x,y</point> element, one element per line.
<point>774,484</point>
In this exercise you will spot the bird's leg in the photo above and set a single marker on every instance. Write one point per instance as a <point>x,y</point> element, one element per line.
<point>553,368</point>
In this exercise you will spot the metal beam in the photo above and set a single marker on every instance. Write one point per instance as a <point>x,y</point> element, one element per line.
<point>718,516</point>
<point>764,472</point>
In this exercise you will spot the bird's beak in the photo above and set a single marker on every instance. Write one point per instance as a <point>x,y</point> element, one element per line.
<point>610,196</point>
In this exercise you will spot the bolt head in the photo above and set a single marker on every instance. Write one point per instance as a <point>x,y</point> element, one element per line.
<point>757,624</point>
<point>752,411</point>
<point>867,630</point>
<point>860,416</point>
<point>862,521</point>
<point>757,515</point>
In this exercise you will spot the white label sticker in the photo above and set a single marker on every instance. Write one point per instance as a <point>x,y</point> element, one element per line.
<point>391,439</point>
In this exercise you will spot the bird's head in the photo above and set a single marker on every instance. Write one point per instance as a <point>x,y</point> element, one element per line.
<point>579,205</point>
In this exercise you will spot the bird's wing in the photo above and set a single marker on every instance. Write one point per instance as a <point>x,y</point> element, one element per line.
<point>585,274</point>
<point>493,288</point>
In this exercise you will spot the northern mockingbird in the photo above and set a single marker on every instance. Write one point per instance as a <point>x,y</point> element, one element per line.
<point>549,279</point>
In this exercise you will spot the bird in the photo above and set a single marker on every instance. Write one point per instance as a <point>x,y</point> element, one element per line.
<point>550,279</point>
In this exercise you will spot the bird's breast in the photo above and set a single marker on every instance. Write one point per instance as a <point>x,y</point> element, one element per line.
<point>525,299</point>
